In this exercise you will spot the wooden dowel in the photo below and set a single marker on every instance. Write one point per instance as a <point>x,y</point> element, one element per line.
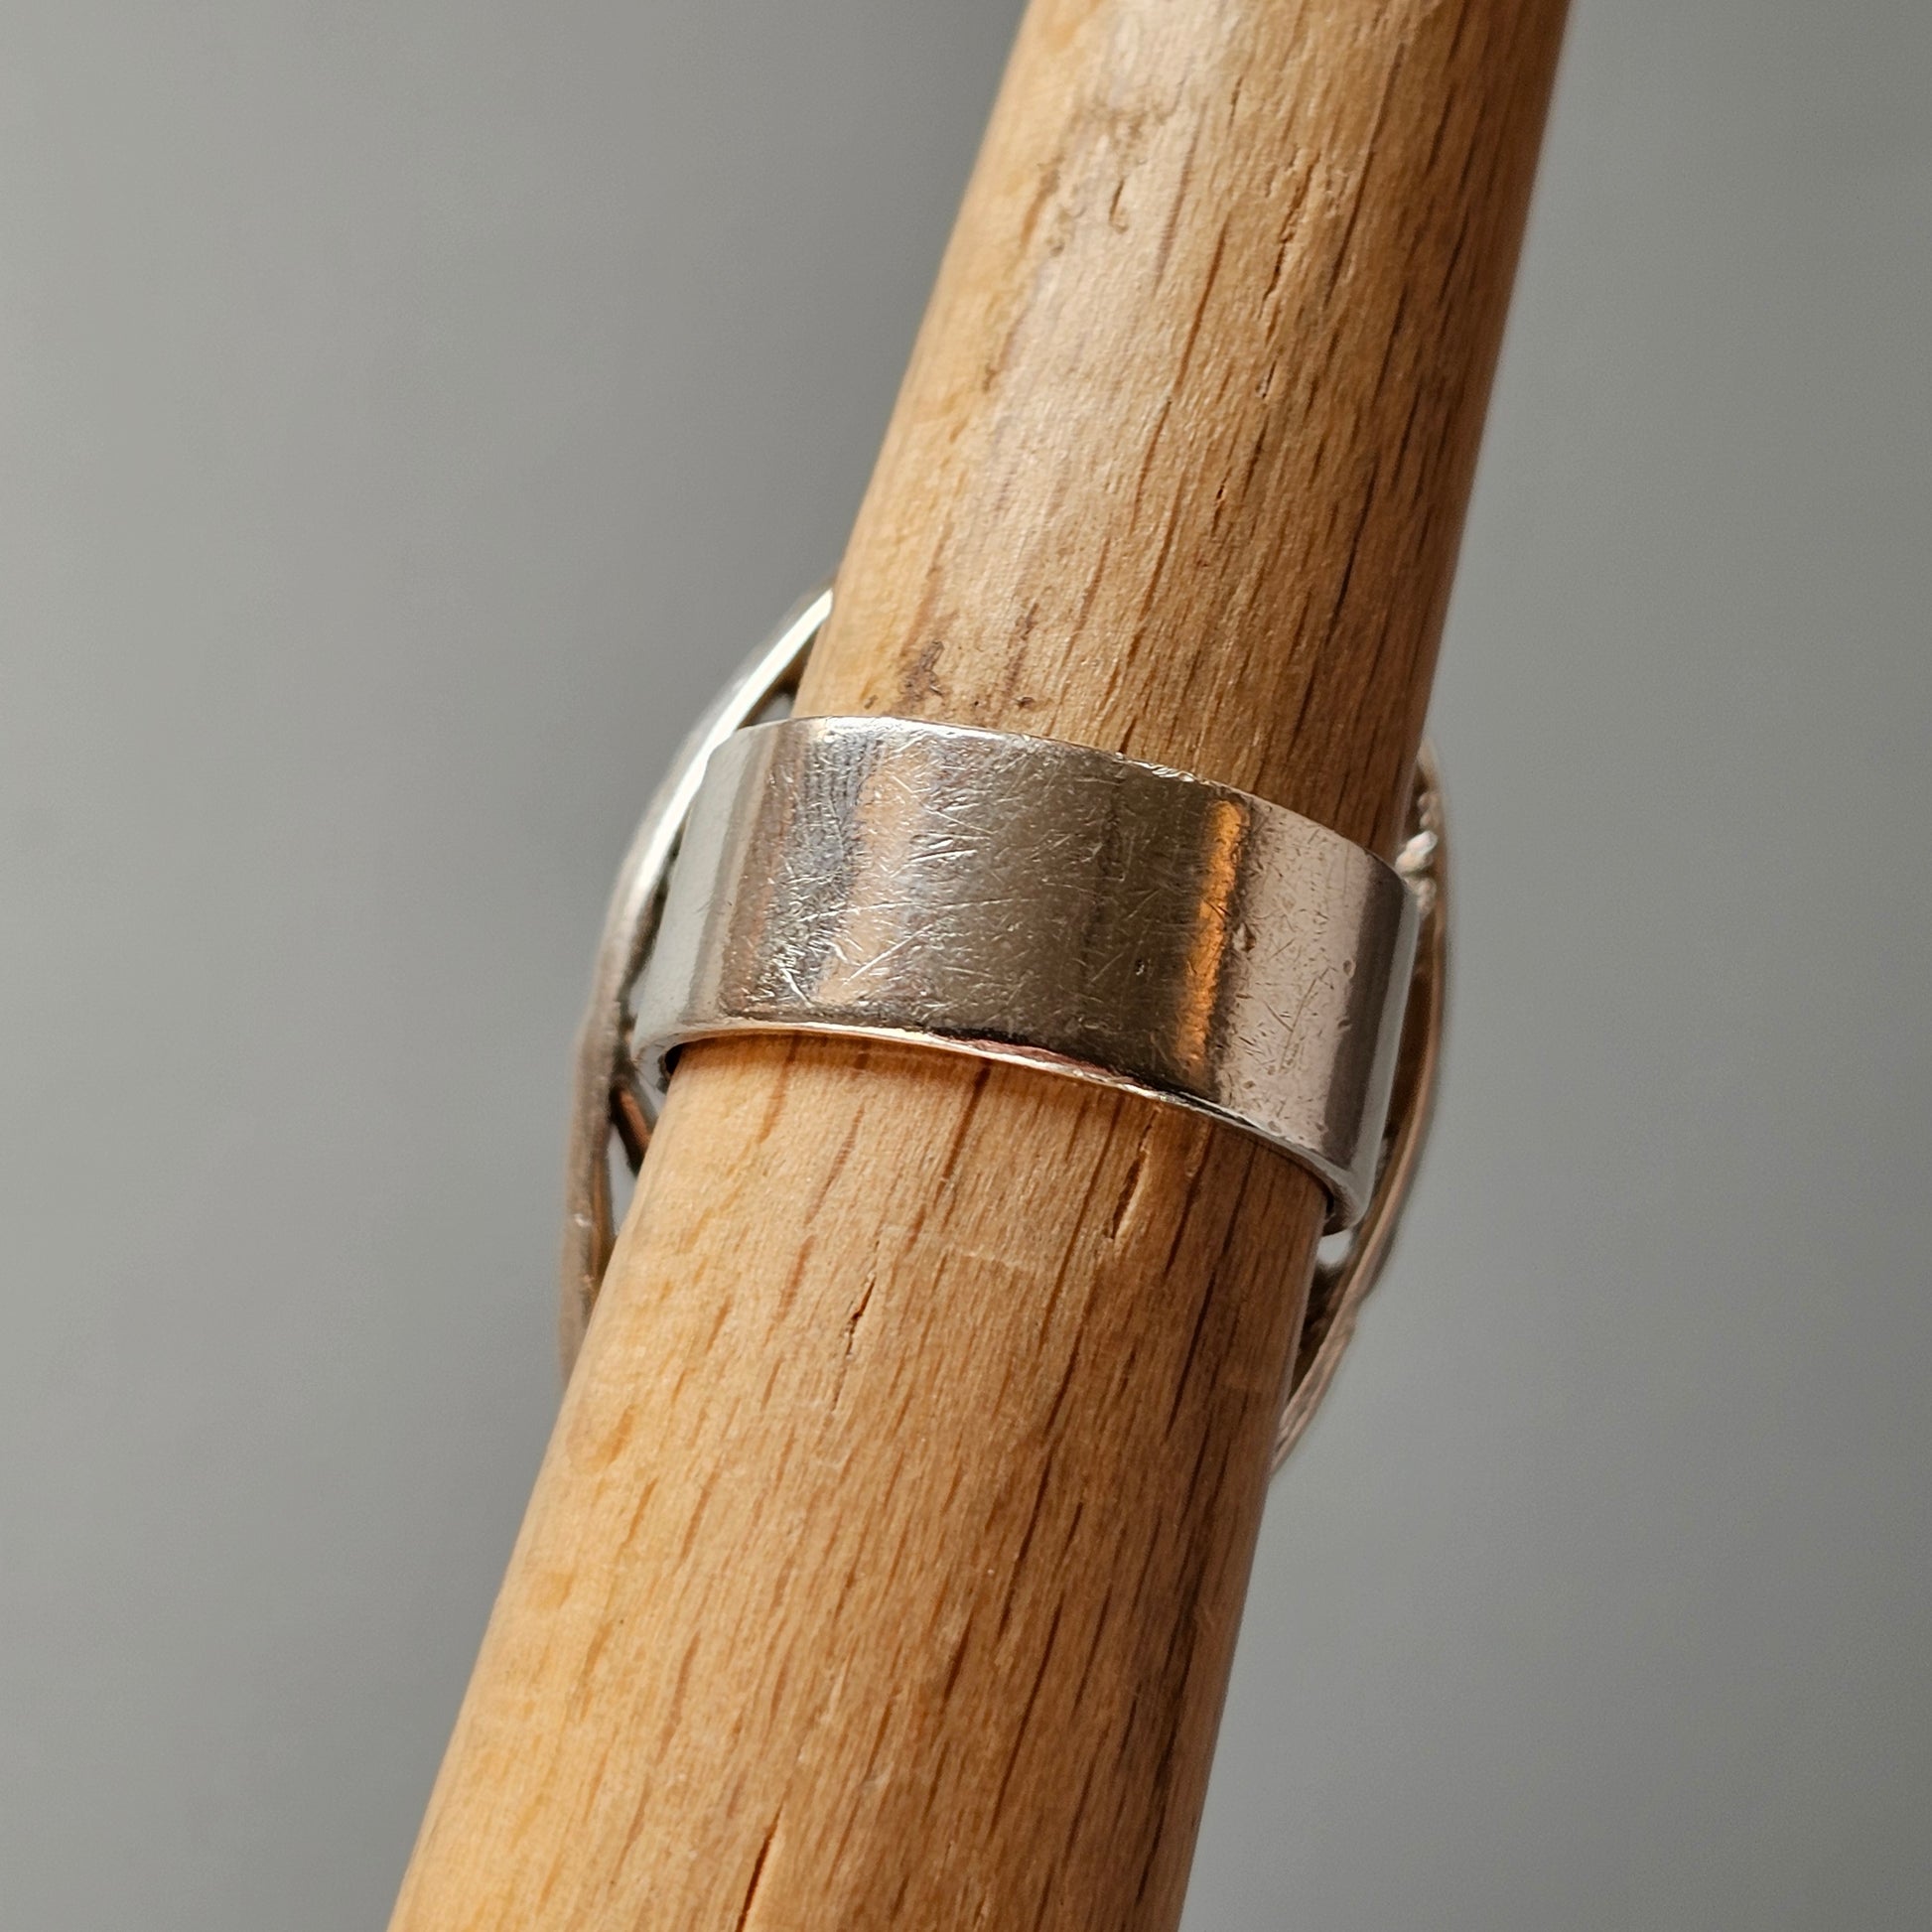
<point>885,1564</point>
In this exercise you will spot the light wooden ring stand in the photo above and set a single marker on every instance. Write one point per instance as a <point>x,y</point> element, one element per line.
<point>887,1561</point>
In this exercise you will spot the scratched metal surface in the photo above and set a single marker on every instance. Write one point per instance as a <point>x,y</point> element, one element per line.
<point>1045,902</point>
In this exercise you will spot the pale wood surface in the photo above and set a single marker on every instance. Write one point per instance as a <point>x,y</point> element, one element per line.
<point>885,1566</point>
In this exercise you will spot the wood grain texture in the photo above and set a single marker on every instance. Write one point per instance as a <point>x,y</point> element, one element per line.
<point>885,1564</point>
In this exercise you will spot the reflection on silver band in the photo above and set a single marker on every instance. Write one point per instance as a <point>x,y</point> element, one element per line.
<point>1033,901</point>
<point>1029,901</point>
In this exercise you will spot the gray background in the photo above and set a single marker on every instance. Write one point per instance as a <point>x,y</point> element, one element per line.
<point>410,410</point>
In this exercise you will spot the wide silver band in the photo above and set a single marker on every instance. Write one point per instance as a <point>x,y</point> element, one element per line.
<point>1030,900</point>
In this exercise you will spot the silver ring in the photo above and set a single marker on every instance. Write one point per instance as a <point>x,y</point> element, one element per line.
<point>1030,900</point>
<point>1023,898</point>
